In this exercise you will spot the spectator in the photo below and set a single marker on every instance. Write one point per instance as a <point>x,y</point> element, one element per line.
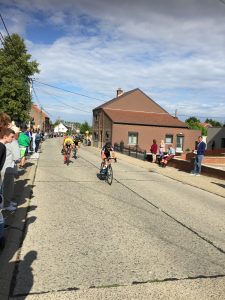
<point>9,171</point>
<point>153,150</point>
<point>34,136</point>
<point>24,143</point>
<point>4,124</point>
<point>5,120</point>
<point>38,139</point>
<point>170,154</point>
<point>162,150</point>
<point>29,134</point>
<point>199,157</point>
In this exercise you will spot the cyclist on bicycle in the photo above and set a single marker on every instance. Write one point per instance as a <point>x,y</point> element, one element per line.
<point>67,146</point>
<point>107,152</point>
<point>76,144</point>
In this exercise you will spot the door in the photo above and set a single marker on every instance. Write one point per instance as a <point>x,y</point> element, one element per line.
<point>180,143</point>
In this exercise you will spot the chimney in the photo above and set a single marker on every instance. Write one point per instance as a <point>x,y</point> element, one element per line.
<point>119,92</point>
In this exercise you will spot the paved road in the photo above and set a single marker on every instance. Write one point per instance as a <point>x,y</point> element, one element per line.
<point>145,237</point>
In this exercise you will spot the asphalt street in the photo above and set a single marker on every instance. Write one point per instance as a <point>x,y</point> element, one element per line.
<point>144,236</point>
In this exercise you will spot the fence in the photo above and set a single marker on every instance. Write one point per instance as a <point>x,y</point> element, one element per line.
<point>133,151</point>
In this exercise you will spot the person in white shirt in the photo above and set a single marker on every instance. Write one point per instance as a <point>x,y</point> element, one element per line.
<point>9,171</point>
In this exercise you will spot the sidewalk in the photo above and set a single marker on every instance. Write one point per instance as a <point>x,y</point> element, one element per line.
<point>206,183</point>
<point>17,222</point>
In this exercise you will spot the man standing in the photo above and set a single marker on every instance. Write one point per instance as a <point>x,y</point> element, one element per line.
<point>199,156</point>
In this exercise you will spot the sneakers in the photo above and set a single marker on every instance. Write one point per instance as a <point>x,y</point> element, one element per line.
<point>193,174</point>
<point>10,208</point>
<point>197,175</point>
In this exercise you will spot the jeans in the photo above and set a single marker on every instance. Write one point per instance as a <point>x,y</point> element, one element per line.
<point>198,164</point>
<point>1,225</point>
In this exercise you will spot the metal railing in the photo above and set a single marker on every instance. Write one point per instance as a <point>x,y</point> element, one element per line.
<point>133,151</point>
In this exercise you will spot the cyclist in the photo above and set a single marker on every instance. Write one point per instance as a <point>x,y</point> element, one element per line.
<point>67,145</point>
<point>76,144</point>
<point>107,152</point>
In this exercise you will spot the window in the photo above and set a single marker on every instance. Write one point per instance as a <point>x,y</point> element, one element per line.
<point>169,139</point>
<point>95,136</point>
<point>223,143</point>
<point>132,138</point>
<point>96,117</point>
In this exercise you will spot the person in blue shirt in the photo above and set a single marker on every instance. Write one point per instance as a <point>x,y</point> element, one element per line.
<point>199,156</point>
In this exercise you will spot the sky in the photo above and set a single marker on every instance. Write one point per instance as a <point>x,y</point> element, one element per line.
<point>173,50</point>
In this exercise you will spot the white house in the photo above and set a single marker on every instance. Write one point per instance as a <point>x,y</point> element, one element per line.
<point>60,128</point>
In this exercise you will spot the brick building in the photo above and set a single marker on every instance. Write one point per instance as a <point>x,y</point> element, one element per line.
<point>135,119</point>
<point>39,118</point>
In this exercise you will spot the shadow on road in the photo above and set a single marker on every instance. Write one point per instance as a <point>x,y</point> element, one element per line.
<point>16,224</point>
<point>219,184</point>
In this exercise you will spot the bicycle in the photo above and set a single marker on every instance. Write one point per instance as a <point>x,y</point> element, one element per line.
<point>67,154</point>
<point>75,152</point>
<point>108,171</point>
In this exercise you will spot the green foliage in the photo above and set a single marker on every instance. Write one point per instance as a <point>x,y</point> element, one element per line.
<point>214,123</point>
<point>15,72</point>
<point>85,127</point>
<point>57,122</point>
<point>194,123</point>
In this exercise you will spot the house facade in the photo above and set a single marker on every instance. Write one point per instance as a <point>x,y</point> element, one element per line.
<point>134,119</point>
<point>216,138</point>
<point>61,128</point>
<point>39,119</point>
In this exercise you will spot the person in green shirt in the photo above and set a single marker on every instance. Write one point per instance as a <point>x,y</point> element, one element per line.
<point>24,143</point>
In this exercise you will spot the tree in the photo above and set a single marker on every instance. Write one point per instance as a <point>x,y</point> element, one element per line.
<point>85,127</point>
<point>16,70</point>
<point>214,123</point>
<point>195,123</point>
<point>57,122</point>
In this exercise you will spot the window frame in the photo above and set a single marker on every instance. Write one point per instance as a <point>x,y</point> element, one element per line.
<point>135,134</point>
<point>169,135</point>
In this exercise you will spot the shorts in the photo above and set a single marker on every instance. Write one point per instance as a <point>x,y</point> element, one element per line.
<point>23,151</point>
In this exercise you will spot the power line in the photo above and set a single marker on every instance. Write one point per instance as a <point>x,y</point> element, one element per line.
<point>41,106</point>
<point>57,96</point>
<point>68,105</point>
<point>5,26</point>
<point>68,91</point>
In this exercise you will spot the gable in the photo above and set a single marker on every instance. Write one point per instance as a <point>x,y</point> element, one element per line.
<point>134,100</point>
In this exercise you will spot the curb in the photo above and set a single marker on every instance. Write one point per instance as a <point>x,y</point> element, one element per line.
<point>10,256</point>
<point>202,183</point>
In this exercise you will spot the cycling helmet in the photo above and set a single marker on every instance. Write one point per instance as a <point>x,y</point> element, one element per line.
<point>108,145</point>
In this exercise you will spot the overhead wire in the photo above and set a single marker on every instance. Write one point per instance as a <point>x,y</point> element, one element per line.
<point>68,91</point>
<point>57,96</point>
<point>38,101</point>
<point>68,105</point>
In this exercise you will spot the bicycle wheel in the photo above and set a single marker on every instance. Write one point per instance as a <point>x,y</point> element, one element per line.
<point>67,157</point>
<point>75,153</point>
<point>109,175</point>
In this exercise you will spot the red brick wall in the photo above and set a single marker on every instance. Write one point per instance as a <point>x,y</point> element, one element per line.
<point>147,133</point>
<point>188,166</point>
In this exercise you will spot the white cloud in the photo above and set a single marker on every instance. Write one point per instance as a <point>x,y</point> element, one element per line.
<point>172,50</point>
